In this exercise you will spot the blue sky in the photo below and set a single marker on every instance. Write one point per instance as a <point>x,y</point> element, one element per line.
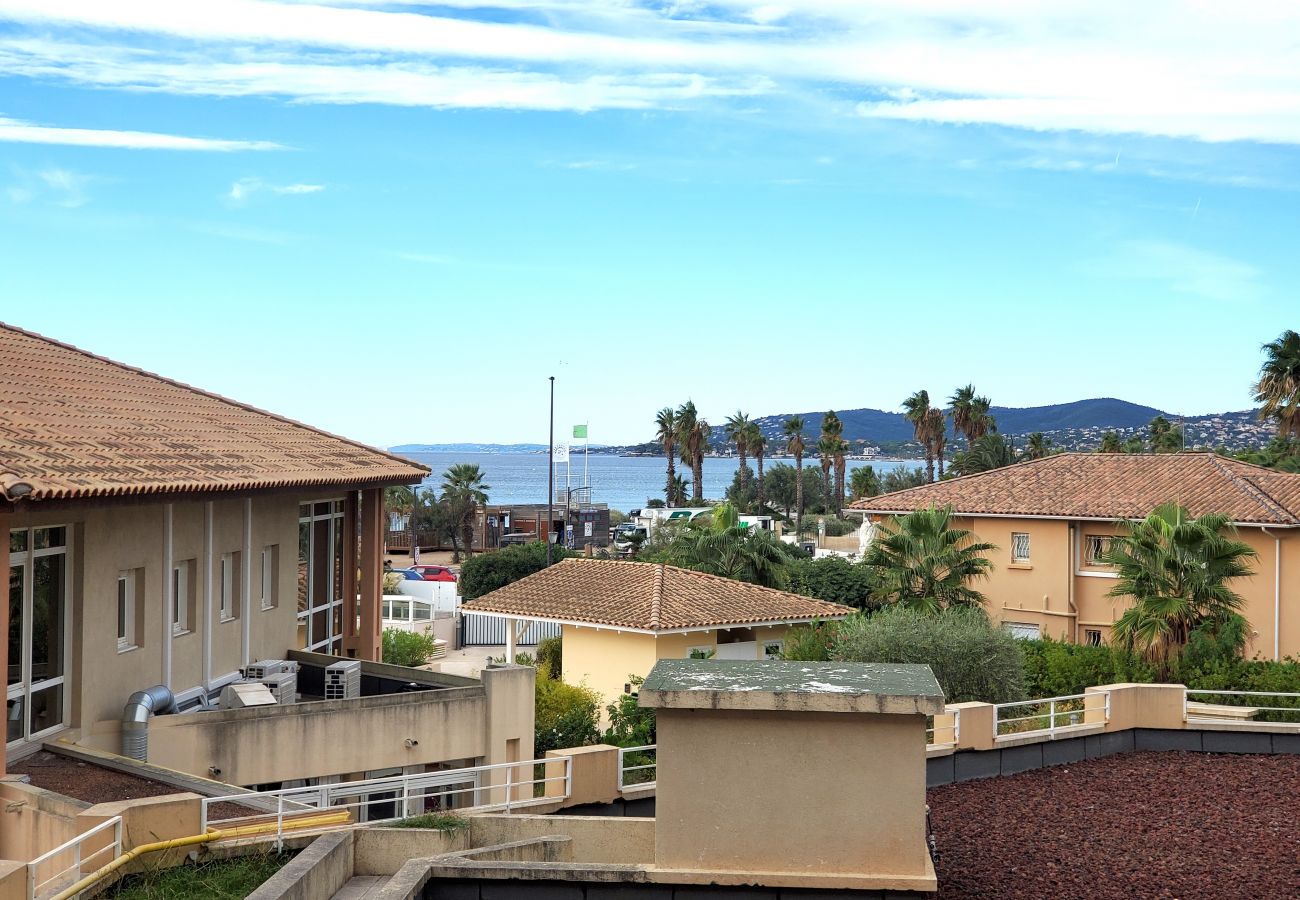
<point>394,220</point>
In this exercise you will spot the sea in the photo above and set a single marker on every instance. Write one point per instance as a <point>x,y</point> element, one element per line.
<point>623,482</point>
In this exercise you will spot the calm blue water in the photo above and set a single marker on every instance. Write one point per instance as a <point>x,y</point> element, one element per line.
<point>622,482</point>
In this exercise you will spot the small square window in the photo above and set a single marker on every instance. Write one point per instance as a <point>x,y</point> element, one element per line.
<point>1095,546</point>
<point>1092,637</point>
<point>1019,547</point>
<point>773,649</point>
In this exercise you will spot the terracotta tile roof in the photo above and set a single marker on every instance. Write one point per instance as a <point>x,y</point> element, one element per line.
<point>647,597</point>
<point>1111,486</point>
<point>76,425</point>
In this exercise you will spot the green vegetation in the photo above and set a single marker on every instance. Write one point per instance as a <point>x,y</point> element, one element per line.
<point>630,725</point>
<point>406,648</point>
<point>1277,389</point>
<point>716,543</point>
<point>929,427</point>
<point>224,879</point>
<point>795,444</point>
<point>550,657</point>
<point>486,572</point>
<point>666,435</point>
<point>434,821</point>
<point>1176,570</point>
<point>566,716</point>
<point>970,414</point>
<point>921,561</point>
<point>986,453</point>
<point>836,580</point>
<point>692,443</point>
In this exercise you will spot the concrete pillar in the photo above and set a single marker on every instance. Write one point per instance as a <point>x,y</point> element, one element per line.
<point>1138,706</point>
<point>369,638</point>
<point>593,774</point>
<point>6,517</point>
<point>510,710</point>
<point>975,731</point>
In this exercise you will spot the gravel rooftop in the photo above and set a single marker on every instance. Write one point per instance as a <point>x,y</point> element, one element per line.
<point>1148,825</point>
<point>85,781</point>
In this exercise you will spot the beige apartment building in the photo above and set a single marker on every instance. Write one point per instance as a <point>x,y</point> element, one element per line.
<point>159,538</point>
<point>1051,519</point>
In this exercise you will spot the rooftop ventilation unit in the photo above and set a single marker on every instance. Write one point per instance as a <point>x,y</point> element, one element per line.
<point>264,668</point>
<point>283,686</point>
<point>343,680</point>
<point>241,695</point>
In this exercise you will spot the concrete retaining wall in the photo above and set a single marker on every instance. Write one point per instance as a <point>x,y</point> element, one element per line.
<point>319,871</point>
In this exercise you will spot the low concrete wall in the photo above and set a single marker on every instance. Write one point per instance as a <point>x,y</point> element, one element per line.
<point>382,851</point>
<point>34,820</point>
<point>319,871</point>
<point>596,839</point>
<point>13,880</point>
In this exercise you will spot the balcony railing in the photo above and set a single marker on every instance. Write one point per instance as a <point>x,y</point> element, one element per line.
<point>1258,706</point>
<point>637,766</point>
<point>73,859</point>
<point>944,730</point>
<point>1050,715</point>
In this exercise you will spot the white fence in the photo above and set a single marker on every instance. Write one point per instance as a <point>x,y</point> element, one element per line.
<point>943,734</point>
<point>1050,715</point>
<point>489,631</point>
<point>71,861</point>
<point>502,786</point>
<point>637,766</point>
<point>1241,705</point>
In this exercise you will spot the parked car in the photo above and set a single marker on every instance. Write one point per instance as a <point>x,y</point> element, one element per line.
<point>434,573</point>
<point>407,574</point>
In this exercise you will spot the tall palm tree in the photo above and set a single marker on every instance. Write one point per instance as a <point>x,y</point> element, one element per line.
<point>1038,446</point>
<point>937,431</point>
<point>1165,437</point>
<point>981,423</point>
<point>793,429</point>
<point>724,548</point>
<point>677,491</point>
<point>401,500</point>
<point>737,429</point>
<point>463,491</point>
<point>1277,389</point>
<point>916,409</point>
<point>758,446</point>
<point>1176,570</point>
<point>826,447</point>
<point>864,483</point>
<point>841,454</point>
<point>925,563</point>
<point>693,440</point>
<point>666,435</point>
<point>992,451</point>
<point>959,410</point>
<point>832,448</point>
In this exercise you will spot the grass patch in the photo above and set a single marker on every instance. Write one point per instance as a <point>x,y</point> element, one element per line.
<point>436,821</point>
<point>222,879</point>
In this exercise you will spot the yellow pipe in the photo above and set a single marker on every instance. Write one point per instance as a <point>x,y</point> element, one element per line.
<point>212,835</point>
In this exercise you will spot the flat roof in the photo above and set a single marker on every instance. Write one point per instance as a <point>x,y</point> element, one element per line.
<point>792,686</point>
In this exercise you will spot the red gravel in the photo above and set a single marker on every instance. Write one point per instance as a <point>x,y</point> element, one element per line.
<point>1137,825</point>
<point>84,781</point>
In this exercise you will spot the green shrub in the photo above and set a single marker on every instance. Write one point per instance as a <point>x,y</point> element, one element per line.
<point>406,648</point>
<point>809,643</point>
<point>566,716</point>
<point>435,821</point>
<point>550,658</point>
<point>972,658</point>
<point>221,879</point>
<point>630,725</point>
<point>835,580</point>
<point>1054,668</point>
<point>486,572</point>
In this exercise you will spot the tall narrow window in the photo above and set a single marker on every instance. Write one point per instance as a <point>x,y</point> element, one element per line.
<point>229,586</point>
<point>1019,547</point>
<point>126,600</point>
<point>270,575</point>
<point>181,598</point>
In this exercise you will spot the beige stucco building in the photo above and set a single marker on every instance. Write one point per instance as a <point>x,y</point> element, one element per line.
<point>159,538</point>
<point>1051,518</point>
<point>620,617</point>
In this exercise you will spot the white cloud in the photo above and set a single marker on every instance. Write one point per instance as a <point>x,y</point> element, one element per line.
<point>18,131</point>
<point>52,184</point>
<point>1182,269</point>
<point>241,190</point>
<point>1175,68</point>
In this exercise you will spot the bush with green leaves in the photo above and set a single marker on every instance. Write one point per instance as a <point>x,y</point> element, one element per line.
<point>630,725</point>
<point>811,642</point>
<point>486,572</point>
<point>835,580</point>
<point>972,658</point>
<point>1055,668</point>
<point>567,715</point>
<point>550,657</point>
<point>407,648</point>
<point>435,821</point>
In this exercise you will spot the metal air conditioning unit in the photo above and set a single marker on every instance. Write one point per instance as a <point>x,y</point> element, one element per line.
<point>242,694</point>
<point>265,667</point>
<point>343,680</point>
<point>283,686</point>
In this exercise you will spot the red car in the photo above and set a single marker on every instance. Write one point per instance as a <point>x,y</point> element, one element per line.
<point>434,573</point>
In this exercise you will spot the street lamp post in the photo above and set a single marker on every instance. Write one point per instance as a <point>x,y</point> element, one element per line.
<point>550,477</point>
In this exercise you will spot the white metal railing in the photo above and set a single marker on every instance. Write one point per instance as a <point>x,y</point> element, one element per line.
<point>625,778</point>
<point>1049,715</point>
<point>943,735</point>
<point>389,799</point>
<point>1227,698</point>
<point>66,875</point>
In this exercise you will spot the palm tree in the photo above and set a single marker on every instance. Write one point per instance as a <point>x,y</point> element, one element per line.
<point>677,489</point>
<point>1110,443</point>
<point>1165,438</point>
<point>693,439</point>
<point>1277,389</point>
<point>463,491</point>
<point>737,429</point>
<point>992,451</point>
<point>1176,571</point>
<point>925,563</point>
<point>831,447</point>
<point>1039,446</point>
<point>793,429</point>
<point>864,483</point>
<point>981,422</point>
<point>401,500</point>
<point>826,447</point>
<point>722,547</point>
<point>937,430</point>
<point>666,435</point>
<point>959,410</point>
<point>916,409</point>
<point>758,446</point>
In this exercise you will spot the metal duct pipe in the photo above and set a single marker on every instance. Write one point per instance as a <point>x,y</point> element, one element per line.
<point>157,700</point>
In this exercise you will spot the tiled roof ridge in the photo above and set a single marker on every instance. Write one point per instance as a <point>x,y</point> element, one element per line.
<point>657,597</point>
<point>218,397</point>
<point>1249,486</point>
<point>749,585</point>
<point>862,503</point>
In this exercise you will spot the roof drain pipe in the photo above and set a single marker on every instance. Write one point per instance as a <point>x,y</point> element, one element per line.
<point>157,700</point>
<point>1277,593</point>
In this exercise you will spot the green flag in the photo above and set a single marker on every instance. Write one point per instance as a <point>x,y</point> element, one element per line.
<point>580,431</point>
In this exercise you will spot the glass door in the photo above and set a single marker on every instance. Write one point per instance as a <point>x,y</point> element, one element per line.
<point>35,696</point>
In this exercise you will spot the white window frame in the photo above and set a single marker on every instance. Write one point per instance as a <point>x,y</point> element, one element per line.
<point>778,644</point>
<point>1023,631</point>
<point>126,601</point>
<point>181,599</point>
<point>1090,558</point>
<point>226,588</point>
<point>269,592</point>
<point>22,691</point>
<point>331,641</point>
<point>1022,559</point>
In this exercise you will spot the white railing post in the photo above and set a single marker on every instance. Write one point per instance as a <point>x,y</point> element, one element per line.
<point>621,764</point>
<point>1051,718</point>
<point>956,728</point>
<point>509,788</point>
<point>406,796</point>
<point>568,777</point>
<point>1107,714</point>
<point>279,824</point>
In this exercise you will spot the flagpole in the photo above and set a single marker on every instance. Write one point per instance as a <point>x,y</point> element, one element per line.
<point>550,480</point>
<point>586,445</point>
